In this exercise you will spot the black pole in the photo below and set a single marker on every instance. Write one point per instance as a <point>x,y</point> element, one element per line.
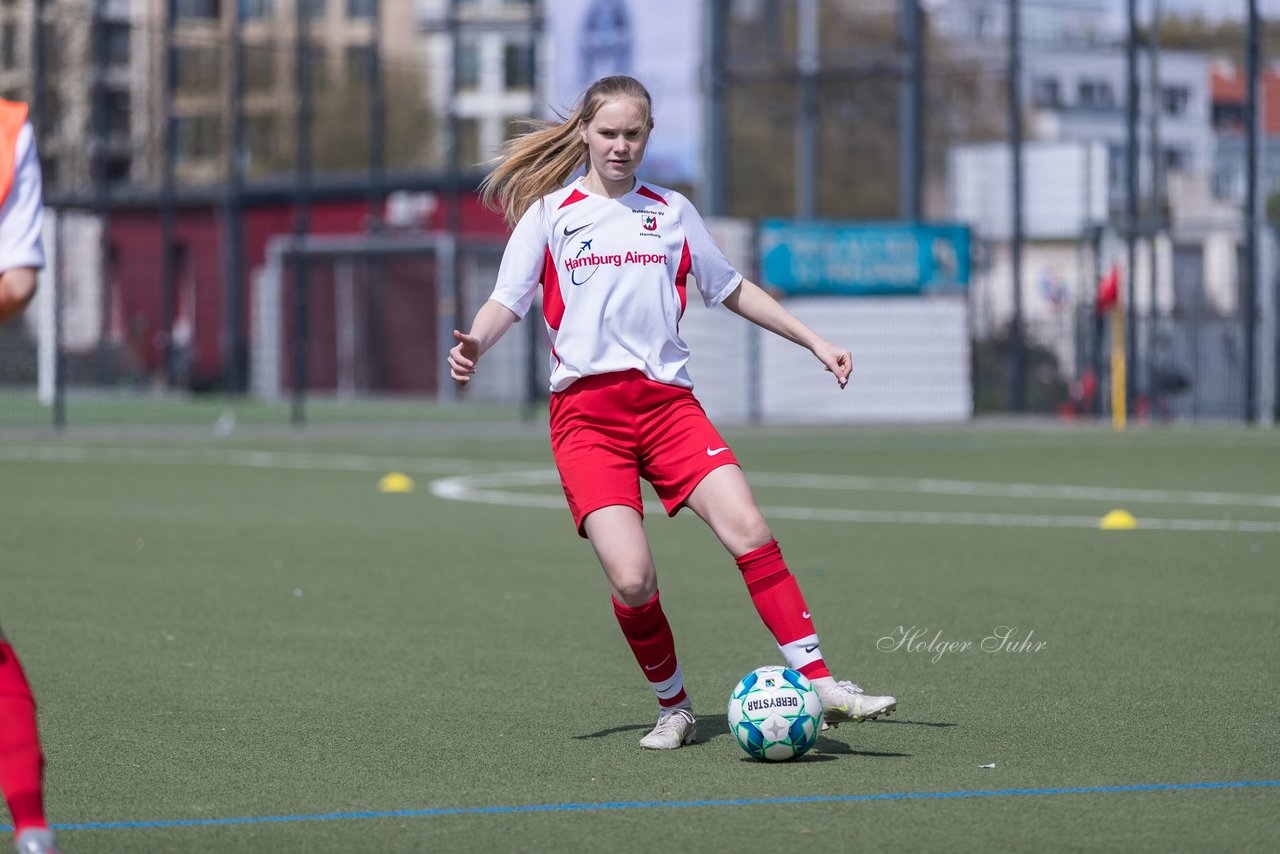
<point>714,148</point>
<point>806,159</point>
<point>1131,203</point>
<point>35,103</point>
<point>98,164</point>
<point>1154,216</point>
<point>35,114</point>
<point>1099,326</point>
<point>377,119</point>
<point>1017,354</point>
<point>376,198</point>
<point>302,214</point>
<point>169,154</point>
<point>235,369</point>
<point>910,113</point>
<point>1249,299</point>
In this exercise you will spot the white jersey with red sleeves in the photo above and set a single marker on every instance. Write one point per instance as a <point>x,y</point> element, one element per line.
<point>614,275</point>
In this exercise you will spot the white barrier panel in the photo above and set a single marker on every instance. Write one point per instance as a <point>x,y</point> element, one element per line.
<point>911,363</point>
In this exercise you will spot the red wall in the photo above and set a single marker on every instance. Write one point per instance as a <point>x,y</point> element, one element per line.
<point>405,328</point>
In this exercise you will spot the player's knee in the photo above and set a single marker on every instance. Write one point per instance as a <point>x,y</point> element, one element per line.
<point>749,530</point>
<point>635,589</point>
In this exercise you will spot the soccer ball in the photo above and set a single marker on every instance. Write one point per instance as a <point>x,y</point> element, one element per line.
<point>775,713</point>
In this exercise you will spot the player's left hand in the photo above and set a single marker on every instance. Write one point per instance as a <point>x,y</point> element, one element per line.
<point>836,359</point>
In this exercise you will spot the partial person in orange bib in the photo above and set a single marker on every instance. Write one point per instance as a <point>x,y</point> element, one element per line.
<point>21,257</point>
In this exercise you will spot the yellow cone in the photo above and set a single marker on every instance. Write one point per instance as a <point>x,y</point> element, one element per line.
<point>395,482</point>
<point>1118,520</point>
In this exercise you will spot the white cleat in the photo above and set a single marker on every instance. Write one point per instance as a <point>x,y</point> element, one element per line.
<point>36,841</point>
<point>676,727</point>
<point>845,701</point>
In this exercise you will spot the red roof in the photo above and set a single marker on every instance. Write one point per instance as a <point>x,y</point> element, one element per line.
<point>1227,87</point>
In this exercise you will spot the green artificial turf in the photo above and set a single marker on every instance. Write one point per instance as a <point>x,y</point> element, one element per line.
<point>246,630</point>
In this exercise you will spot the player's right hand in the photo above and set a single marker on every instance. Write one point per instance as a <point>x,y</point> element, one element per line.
<point>463,356</point>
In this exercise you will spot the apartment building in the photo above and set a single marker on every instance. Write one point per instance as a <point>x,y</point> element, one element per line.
<point>341,36</point>
<point>485,64</point>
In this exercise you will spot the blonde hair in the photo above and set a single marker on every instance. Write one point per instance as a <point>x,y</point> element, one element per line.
<point>541,160</point>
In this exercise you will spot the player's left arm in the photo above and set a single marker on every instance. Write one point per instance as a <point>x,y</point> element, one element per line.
<point>751,301</point>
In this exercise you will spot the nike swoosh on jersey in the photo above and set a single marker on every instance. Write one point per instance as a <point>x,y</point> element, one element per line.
<point>569,232</point>
<point>711,453</point>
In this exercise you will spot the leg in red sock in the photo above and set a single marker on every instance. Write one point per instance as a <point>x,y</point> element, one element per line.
<point>777,597</point>
<point>21,762</point>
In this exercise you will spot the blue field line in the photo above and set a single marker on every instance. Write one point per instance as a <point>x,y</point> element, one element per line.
<point>646,805</point>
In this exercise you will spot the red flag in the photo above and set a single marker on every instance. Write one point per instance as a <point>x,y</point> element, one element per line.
<point>1108,291</point>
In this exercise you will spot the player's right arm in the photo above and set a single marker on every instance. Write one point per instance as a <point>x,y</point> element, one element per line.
<point>17,287</point>
<point>491,323</point>
<point>518,278</point>
<point>21,252</point>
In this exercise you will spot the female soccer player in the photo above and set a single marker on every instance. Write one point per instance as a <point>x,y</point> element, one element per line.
<point>613,255</point>
<point>21,254</point>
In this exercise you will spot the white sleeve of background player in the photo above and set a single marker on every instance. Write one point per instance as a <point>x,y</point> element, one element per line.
<point>716,277</point>
<point>20,244</point>
<point>521,270</point>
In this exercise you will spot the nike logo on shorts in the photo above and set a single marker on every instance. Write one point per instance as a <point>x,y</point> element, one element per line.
<point>569,233</point>
<point>711,453</point>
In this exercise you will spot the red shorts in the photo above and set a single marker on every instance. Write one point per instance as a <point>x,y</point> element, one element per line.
<point>610,430</point>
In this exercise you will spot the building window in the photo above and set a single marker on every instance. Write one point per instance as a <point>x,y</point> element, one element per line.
<point>1176,159</point>
<point>199,9</point>
<point>119,114</point>
<point>264,143</point>
<point>199,137</point>
<point>259,68</point>
<point>1117,169</point>
<point>468,143</point>
<point>1174,99</point>
<point>1228,117</point>
<point>467,67</point>
<point>9,46</point>
<point>313,10</point>
<point>517,66</point>
<point>1095,95</point>
<point>359,60</point>
<point>198,68</point>
<point>362,9</point>
<point>117,168</point>
<point>119,43</point>
<point>251,10</point>
<point>1046,93</point>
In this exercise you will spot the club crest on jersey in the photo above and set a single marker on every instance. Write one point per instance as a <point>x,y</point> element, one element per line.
<point>649,221</point>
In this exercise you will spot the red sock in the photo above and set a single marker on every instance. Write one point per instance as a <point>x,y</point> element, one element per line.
<point>21,762</point>
<point>649,635</point>
<point>781,605</point>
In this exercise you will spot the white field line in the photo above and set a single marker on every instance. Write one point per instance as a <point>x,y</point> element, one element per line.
<point>248,459</point>
<point>929,486</point>
<point>486,489</point>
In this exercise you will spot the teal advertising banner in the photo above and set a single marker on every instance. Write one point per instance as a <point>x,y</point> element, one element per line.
<point>864,259</point>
